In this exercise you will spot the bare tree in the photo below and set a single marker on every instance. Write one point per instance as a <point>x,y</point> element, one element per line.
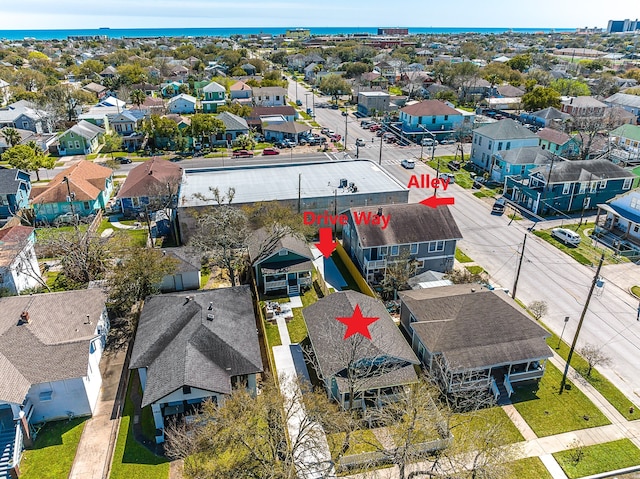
<point>595,356</point>
<point>464,276</point>
<point>538,308</point>
<point>397,274</point>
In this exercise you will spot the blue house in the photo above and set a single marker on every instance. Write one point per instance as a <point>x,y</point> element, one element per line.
<point>15,188</point>
<point>433,115</point>
<point>520,161</point>
<point>618,224</point>
<point>81,189</point>
<point>569,186</point>
<point>559,143</point>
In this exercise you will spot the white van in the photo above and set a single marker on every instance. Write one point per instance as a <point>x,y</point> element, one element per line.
<point>566,236</point>
<point>408,164</point>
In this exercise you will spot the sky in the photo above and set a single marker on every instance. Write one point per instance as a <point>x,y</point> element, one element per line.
<point>64,14</point>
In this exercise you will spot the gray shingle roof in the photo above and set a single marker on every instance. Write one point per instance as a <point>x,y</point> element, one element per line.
<point>624,99</point>
<point>53,346</point>
<point>551,113</point>
<point>331,350</point>
<point>214,87</point>
<point>9,182</point>
<point>263,244</point>
<point>506,129</point>
<point>582,170</point>
<point>474,329</point>
<point>233,122</point>
<point>409,223</point>
<point>179,346</point>
<point>528,155</point>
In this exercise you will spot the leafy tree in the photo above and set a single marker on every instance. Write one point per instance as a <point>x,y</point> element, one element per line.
<point>28,158</point>
<point>269,213</point>
<point>237,109</point>
<point>30,80</point>
<point>397,275</point>
<point>184,88</point>
<point>131,73</point>
<point>539,98</point>
<point>62,102</point>
<point>632,73</point>
<point>162,129</point>
<point>334,86</point>
<point>204,126</point>
<point>355,69</point>
<point>111,142</point>
<point>570,87</point>
<point>501,73</point>
<point>521,62</point>
<point>89,68</point>
<point>137,97</point>
<point>11,135</point>
<point>244,141</point>
<point>464,76</point>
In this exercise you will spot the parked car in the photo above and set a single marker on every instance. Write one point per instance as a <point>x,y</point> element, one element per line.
<point>299,102</point>
<point>270,151</point>
<point>325,131</point>
<point>375,127</point>
<point>448,142</point>
<point>345,113</point>
<point>124,160</point>
<point>242,153</point>
<point>379,132</point>
<point>454,165</point>
<point>335,137</point>
<point>498,206</point>
<point>408,163</point>
<point>360,142</point>
<point>68,218</point>
<point>366,123</point>
<point>444,176</point>
<point>566,236</point>
<point>429,142</point>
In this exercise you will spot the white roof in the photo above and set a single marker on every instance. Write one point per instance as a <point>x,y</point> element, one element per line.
<point>183,96</point>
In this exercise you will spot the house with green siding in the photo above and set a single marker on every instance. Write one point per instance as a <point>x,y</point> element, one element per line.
<point>214,96</point>
<point>81,139</point>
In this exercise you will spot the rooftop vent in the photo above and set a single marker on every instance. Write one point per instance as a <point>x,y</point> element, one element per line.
<point>24,317</point>
<point>210,317</point>
<point>343,182</point>
<point>210,306</point>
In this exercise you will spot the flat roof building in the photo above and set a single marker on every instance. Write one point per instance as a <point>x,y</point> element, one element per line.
<point>334,186</point>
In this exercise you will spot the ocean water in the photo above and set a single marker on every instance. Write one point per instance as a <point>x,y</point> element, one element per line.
<point>227,32</point>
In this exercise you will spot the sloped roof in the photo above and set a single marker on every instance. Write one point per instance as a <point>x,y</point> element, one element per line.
<point>233,122</point>
<point>94,87</point>
<point>631,132</point>
<point>474,329</point>
<point>53,346</point>
<point>150,178</point>
<point>429,108</point>
<point>239,86</point>
<point>326,335</point>
<point>551,113</point>
<point>86,181</point>
<point>621,204</point>
<point>183,96</point>
<point>584,102</point>
<point>12,242</point>
<point>409,223</point>
<point>291,127</point>
<point>180,346</point>
<point>506,129</point>
<point>624,99</point>
<point>214,87</point>
<point>582,170</point>
<point>528,155</point>
<point>85,129</point>
<point>553,136</point>
<point>263,244</point>
<point>510,91</point>
<point>9,182</point>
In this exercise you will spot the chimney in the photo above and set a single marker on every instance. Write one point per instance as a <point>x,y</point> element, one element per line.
<point>88,320</point>
<point>24,317</point>
<point>210,305</point>
<point>187,299</point>
<point>380,211</point>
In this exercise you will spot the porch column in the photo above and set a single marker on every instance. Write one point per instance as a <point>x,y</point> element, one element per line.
<point>157,416</point>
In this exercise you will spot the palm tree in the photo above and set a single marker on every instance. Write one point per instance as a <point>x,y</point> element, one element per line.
<point>12,136</point>
<point>137,97</point>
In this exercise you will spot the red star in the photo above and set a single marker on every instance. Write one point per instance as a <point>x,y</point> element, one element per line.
<point>357,324</point>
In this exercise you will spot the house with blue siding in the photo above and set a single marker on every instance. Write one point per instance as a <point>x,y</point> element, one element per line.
<point>182,103</point>
<point>569,186</point>
<point>559,143</point>
<point>425,236</point>
<point>433,115</point>
<point>520,162</point>
<point>81,189</point>
<point>81,139</point>
<point>214,97</point>
<point>234,127</point>
<point>499,136</point>
<point>15,188</point>
<point>280,263</point>
<point>618,224</point>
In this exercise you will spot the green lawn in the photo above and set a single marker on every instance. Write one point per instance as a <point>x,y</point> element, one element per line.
<point>273,335</point>
<point>611,393</point>
<point>131,460</point>
<point>529,468</point>
<point>463,423</point>
<point>599,458</point>
<point>547,412</point>
<point>475,269</point>
<point>54,450</point>
<point>585,252</point>
<point>636,290</point>
<point>462,257</point>
<point>362,440</point>
<point>51,233</point>
<point>297,327</point>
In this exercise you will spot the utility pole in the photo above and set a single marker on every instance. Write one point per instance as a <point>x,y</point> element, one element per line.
<point>515,283</point>
<point>299,191</point>
<point>346,117</point>
<point>584,312</point>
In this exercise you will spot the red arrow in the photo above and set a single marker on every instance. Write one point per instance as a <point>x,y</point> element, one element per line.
<point>326,244</point>
<point>434,201</point>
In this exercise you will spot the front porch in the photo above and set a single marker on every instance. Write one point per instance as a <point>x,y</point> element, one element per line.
<point>291,282</point>
<point>615,232</point>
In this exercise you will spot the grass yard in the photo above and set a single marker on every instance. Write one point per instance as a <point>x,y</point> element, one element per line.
<point>585,252</point>
<point>463,258</point>
<point>598,458</point>
<point>529,468</point>
<point>636,290</point>
<point>54,450</point>
<point>131,460</point>
<point>475,269</point>
<point>362,440</point>
<point>47,234</point>
<point>463,424</point>
<point>547,412</point>
<point>611,393</point>
<point>297,327</point>
<point>273,335</point>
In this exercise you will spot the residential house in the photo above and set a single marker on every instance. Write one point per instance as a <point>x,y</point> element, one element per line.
<point>432,115</point>
<point>128,124</point>
<point>214,97</point>
<point>508,91</point>
<point>276,131</point>
<point>19,269</point>
<point>187,274</point>
<point>4,142</point>
<point>82,189</point>
<point>549,117</point>
<point>171,89</point>
<point>627,138</point>
<point>249,69</point>
<point>99,91</point>
<point>280,263</point>
<point>15,188</point>
<point>629,102</point>
<point>388,71</point>
<point>44,141</point>
<point>470,338</point>
<point>425,236</point>
<point>558,142</point>
<point>182,103</point>
<point>385,363</point>
<point>374,80</point>
<point>583,106</point>
<point>108,72</point>
<point>153,183</point>
<point>269,96</point>
<point>257,114</point>
<point>51,345</point>
<point>373,102</point>
<point>196,347</point>
<point>618,224</point>
<point>149,89</point>
<point>82,138</point>
<point>235,126</point>
<point>494,137</point>
<point>26,116</point>
<point>569,186</point>
<point>520,162</point>
<point>241,92</point>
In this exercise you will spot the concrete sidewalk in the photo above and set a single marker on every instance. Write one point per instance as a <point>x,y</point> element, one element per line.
<point>95,449</point>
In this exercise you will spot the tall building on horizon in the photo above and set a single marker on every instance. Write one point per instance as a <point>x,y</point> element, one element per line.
<point>623,26</point>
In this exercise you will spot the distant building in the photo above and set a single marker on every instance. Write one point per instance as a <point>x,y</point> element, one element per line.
<point>623,26</point>
<point>370,102</point>
<point>393,31</point>
<point>298,33</point>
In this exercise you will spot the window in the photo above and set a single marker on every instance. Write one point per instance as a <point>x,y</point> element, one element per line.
<point>583,187</point>
<point>186,389</point>
<point>414,248</point>
<point>77,144</point>
<point>500,145</point>
<point>593,186</point>
<point>436,246</point>
<point>636,228</point>
<point>479,140</point>
<point>627,183</point>
<point>394,250</point>
<point>382,251</point>
<point>46,395</point>
<point>490,144</point>
<point>70,144</point>
<point>565,188</point>
<point>603,184</point>
<point>25,125</point>
<point>446,117</point>
<point>508,145</point>
<point>635,203</point>
<point>433,120</point>
<point>278,97</point>
<point>283,252</point>
<point>86,205</point>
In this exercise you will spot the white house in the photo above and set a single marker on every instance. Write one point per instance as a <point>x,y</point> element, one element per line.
<point>182,103</point>
<point>19,269</point>
<point>50,348</point>
<point>502,135</point>
<point>269,96</point>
